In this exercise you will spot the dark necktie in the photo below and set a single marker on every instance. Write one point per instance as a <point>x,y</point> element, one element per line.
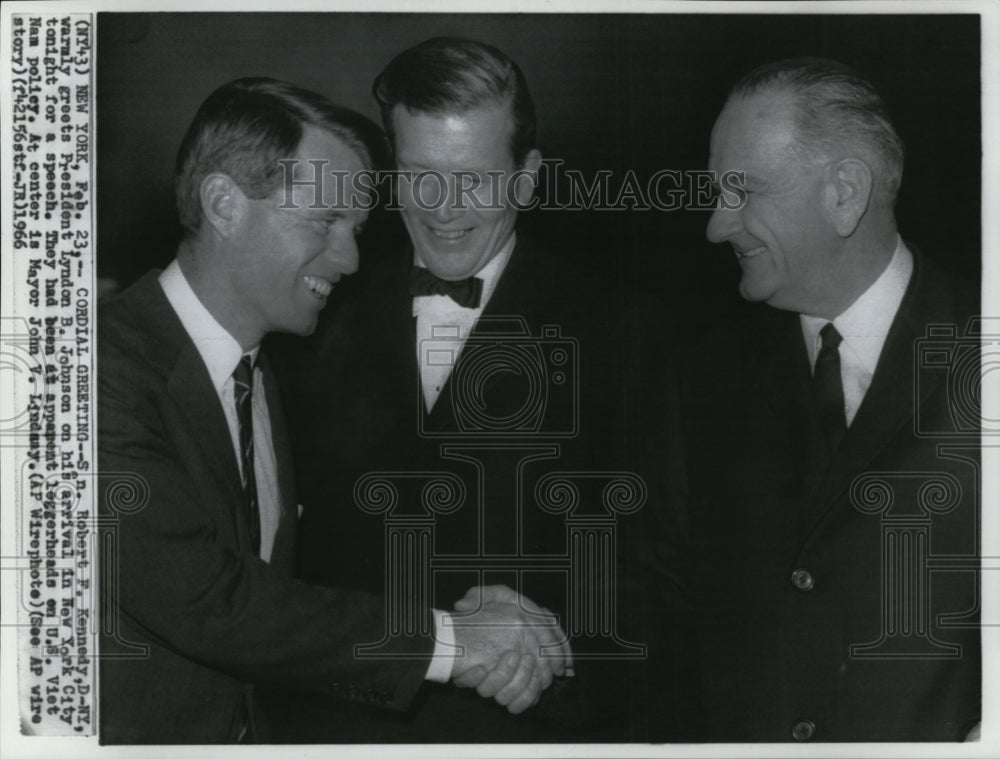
<point>465,292</point>
<point>829,388</point>
<point>243,392</point>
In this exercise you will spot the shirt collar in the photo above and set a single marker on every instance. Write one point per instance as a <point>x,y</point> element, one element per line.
<point>490,274</point>
<point>865,324</point>
<point>218,349</point>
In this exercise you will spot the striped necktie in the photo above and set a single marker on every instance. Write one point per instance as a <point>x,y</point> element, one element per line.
<point>243,391</point>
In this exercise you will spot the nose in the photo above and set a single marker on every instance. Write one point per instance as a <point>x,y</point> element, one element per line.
<point>343,252</point>
<point>445,212</point>
<point>445,209</point>
<point>723,224</point>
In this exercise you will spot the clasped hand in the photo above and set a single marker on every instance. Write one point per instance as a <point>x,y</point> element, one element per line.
<point>509,647</point>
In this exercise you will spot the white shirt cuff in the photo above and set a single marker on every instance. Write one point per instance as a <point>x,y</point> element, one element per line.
<point>439,670</point>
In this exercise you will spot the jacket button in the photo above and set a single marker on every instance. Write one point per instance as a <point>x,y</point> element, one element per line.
<point>803,580</point>
<point>804,730</point>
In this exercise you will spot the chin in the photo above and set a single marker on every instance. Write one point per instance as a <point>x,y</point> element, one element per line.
<point>455,265</point>
<point>749,293</point>
<point>756,296</point>
<point>304,328</point>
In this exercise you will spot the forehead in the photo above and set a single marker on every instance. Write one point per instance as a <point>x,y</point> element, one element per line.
<point>322,168</point>
<point>477,138</point>
<point>320,145</point>
<point>754,133</point>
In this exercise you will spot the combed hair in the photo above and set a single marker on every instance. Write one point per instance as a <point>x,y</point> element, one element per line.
<point>835,105</point>
<point>447,75</point>
<point>246,126</point>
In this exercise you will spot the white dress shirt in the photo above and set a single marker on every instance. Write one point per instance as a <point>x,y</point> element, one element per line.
<point>863,327</point>
<point>443,326</point>
<point>221,353</point>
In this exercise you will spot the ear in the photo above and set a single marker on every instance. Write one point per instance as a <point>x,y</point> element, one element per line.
<point>526,178</point>
<point>849,193</point>
<point>222,203</point>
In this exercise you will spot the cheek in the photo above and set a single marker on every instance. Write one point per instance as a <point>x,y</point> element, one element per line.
<point>411,213</point>
<point>753,218</point>
<point>421,196</point>
<point>496,219</point>
<point>771,227</point>
<point>298,246</point>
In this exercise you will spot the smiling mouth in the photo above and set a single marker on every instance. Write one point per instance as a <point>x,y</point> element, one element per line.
<point>752,253</point>
<point>449,234</point>
<point>320,287</point>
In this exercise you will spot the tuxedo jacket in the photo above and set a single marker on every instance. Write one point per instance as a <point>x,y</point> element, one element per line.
<point>834,597</point>
<point>194,617</point>
<point>528,396</point>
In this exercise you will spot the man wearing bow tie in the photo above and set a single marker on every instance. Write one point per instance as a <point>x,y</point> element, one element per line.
<point>830,484</point>
<point>457,353</point>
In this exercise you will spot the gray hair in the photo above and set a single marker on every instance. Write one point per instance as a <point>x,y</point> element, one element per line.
<point>835,105</point>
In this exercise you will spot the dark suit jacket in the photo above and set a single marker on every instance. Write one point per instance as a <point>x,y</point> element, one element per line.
<point>196,617</point>
<point>797,561</point>
<point>356,408</point>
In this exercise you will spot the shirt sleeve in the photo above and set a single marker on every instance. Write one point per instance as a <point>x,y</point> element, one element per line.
<point>440,667</point>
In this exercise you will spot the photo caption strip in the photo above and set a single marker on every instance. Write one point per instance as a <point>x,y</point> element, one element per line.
<point>48,350</point>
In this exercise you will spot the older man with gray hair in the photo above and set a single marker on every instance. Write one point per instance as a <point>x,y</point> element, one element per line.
<point>819,490</point>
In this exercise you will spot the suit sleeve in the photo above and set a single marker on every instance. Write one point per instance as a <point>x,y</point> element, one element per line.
<point>190,591</point>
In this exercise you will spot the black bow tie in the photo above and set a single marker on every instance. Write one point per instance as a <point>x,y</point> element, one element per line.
<point>465,292</point>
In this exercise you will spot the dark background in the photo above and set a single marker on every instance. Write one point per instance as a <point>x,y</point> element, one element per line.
<point>616,92</point>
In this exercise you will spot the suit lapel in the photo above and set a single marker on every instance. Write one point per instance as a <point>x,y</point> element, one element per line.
<point>779,365</point>
<point>279,435</point>
<point>282,555</point>
<point>784,373</point>
<point>509,298</point>
<point>890,403</point>
<point>400,336</point>
<point>193,396</point>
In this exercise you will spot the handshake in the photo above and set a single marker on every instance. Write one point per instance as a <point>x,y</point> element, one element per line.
<point>509,648</point>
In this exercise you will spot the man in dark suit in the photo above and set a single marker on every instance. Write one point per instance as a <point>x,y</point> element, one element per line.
<point>195,463</point>
<point>830,477</point>
<point>468,354</point>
